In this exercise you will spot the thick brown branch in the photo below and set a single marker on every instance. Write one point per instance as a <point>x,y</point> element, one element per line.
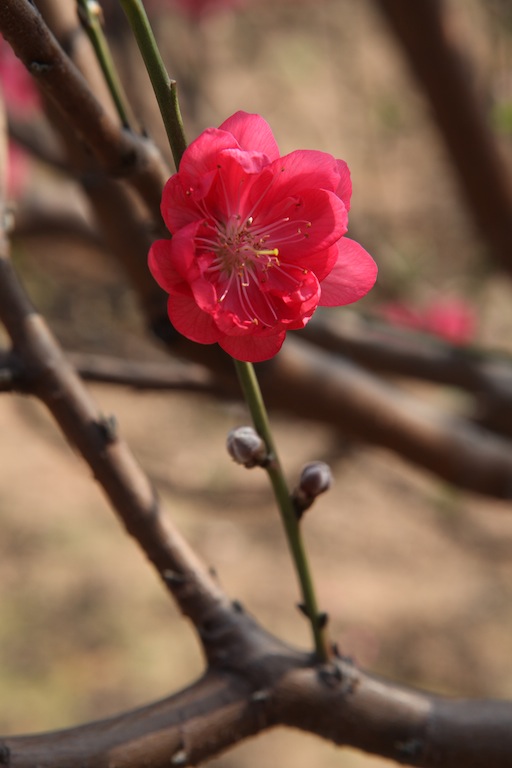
<point>424,35</point>
<point>264,684</point>
<point>49,376</point>
<point>118,152</point>
<point>341,393</point>
<point>400,352</point>
<point>407,726</point>
<point>200,721</point>
<point>38,140</point>
<point>10,371</point>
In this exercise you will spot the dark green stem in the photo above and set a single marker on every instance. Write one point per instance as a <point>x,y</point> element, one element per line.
<point>252,394</point>
<point>164,88</point>
<point>89,12</point>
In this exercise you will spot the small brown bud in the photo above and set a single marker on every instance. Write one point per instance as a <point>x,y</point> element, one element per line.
<point>315,478</point>
<point>246,447</point>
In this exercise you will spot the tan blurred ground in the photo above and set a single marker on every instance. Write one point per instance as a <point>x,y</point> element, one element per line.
<point>417,577</point>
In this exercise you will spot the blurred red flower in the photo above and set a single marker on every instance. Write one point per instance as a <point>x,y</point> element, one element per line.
<point>450,319</point>
<point>18,88</point>
<point>257,240</point>
<point>21,99</point>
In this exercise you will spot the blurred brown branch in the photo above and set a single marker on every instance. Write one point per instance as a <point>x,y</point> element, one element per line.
<point>399,352</point>
<point>142,375</point>
<point>423,31</point>
<point>119,152</point>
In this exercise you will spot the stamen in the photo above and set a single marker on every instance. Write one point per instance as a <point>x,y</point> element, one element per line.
<point>258,201</point>
<point>246,303</point>
<point>267,252</point>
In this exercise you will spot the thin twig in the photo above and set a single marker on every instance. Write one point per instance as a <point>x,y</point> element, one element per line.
<point>142,375</point>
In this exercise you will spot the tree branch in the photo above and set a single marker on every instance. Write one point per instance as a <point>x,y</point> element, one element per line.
<point>48,375</point>
<point>256,691</point>
<point>142,375</point>
<point>200,721</point>
<point>423,32</point>
<point>407,726</point>
<point>386,349</point>
<point>10,371</point>
<point>119,152</point>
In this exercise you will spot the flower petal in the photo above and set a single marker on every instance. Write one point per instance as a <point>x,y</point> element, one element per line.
<point>177,208</point>
<point>311,222</point>
<point>191,321</point>
<point>253,349</point>
<point>351,278</point>
<point>160,265</point>
<point>181,255</point>
<point>304,169</point>
<point>344,189</point>
<point>201,156</point>
<point>320,262</point>
<point>252,132</point>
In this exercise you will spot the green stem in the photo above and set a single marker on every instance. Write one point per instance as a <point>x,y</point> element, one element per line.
<point>163,86</point>
<point>252,393</point>
<point>165,91</point>
<point>89,12</point>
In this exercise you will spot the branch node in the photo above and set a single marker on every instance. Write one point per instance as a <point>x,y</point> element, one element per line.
<point>179,758</point>
<point>38,67</point>
<point>173,577</point>
<point>107,426</point>
<point>411,748</point>
<point>261,695</point>
<point>237,606</point>
<point>331,675</point>
<point>322,619</point>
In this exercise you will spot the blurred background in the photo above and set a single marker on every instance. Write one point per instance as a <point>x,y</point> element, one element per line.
<point>416,575</point>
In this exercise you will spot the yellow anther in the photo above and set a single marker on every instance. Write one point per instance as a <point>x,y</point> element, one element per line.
<point>268,252</point>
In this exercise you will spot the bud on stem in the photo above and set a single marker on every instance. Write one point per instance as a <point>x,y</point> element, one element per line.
<point>246,447</point>
<point>315,478</point>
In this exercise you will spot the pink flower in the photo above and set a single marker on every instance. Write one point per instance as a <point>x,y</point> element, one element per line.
<point>257,240</point>
<point>450,319</point>
<point>19,91</point>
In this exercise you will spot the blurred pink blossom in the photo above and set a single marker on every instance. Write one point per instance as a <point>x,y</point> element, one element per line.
<point>451,319</point>
<point>20,94</point>
<point>22,100</point>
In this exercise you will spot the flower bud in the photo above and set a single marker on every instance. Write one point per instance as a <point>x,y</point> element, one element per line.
<point>315,478</point>
<point>246,447</point>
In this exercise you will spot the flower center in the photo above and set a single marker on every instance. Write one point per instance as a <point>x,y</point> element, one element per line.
<point>242,253</point>
<point>239,246</point>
